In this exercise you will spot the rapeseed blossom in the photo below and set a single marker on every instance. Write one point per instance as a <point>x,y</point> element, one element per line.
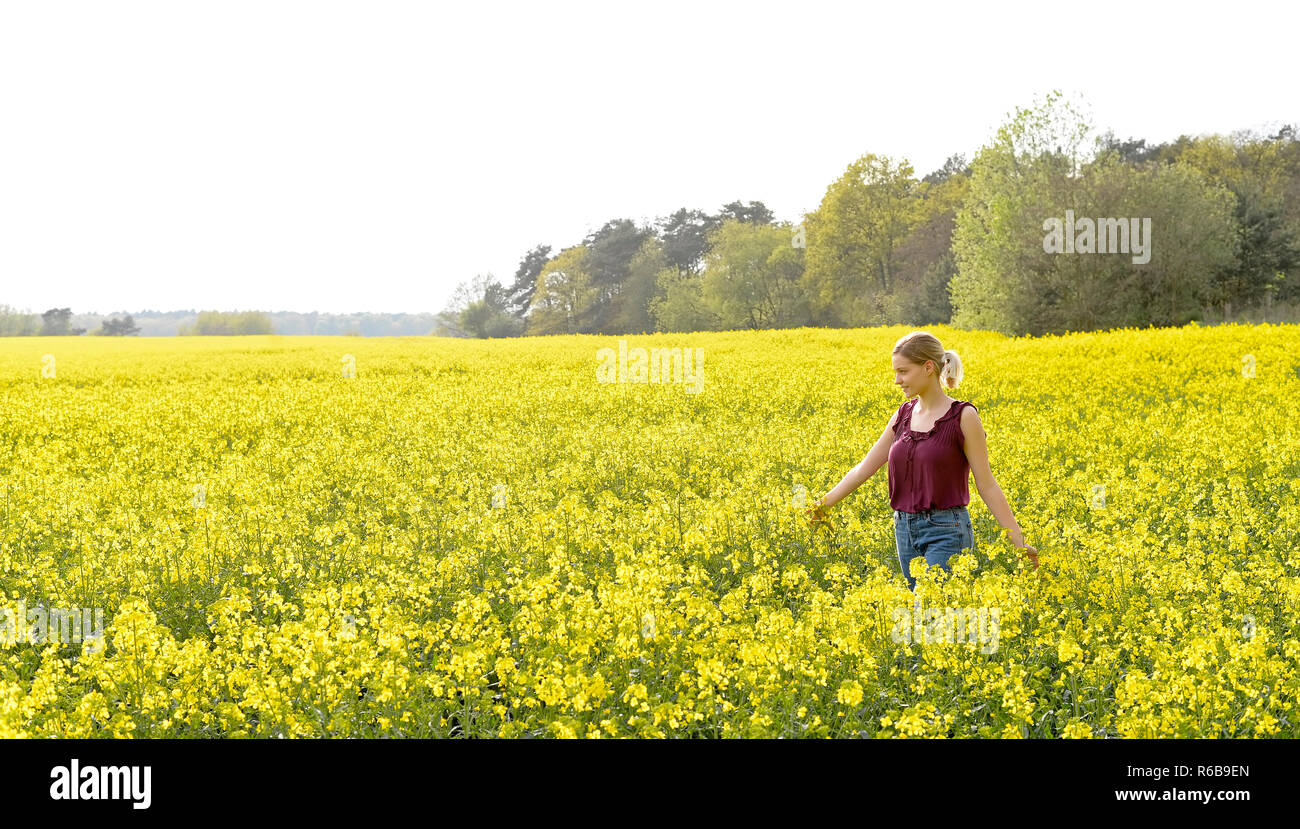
<point>475,538</point>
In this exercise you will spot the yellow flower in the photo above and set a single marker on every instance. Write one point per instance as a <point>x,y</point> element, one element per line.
<point>850,692</point>
<point>1068,651</point>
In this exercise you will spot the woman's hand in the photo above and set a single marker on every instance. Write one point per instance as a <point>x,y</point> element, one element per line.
<point>1018,540</point>
<point>1031,552</point>
<point>817,516</point>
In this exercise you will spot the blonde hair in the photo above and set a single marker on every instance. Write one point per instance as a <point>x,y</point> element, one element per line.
<point>920,346</point>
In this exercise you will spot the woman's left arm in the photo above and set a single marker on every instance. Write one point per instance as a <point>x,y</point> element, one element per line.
<point>975,445</point>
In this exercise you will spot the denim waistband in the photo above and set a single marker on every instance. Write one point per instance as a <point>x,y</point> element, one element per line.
<point>929,511</point>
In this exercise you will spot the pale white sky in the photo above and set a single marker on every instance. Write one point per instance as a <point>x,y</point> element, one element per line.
<point>368,156</point>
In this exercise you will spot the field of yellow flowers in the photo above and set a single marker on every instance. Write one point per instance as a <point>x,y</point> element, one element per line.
<point>434,537</point>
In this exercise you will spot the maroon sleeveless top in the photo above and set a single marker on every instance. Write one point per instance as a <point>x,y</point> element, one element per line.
<point>928,470</point>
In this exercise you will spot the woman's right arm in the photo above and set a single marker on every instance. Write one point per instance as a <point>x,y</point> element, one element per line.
<point>868,466</point>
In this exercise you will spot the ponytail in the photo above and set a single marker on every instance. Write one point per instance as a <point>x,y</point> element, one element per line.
<point>951,374</point>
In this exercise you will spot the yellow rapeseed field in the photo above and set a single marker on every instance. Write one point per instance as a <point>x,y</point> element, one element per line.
<point>434,537</point>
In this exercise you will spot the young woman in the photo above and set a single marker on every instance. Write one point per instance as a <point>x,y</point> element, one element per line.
<point>932,443</point>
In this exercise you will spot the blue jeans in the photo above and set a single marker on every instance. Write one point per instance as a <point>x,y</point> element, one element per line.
<point>936,534</point>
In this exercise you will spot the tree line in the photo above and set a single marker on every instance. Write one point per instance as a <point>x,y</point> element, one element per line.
<point>967,245</point>
<point>60,322</point>
<point>57,322</point>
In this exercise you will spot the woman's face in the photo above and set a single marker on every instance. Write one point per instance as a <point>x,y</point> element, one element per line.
<point>909,376</point>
